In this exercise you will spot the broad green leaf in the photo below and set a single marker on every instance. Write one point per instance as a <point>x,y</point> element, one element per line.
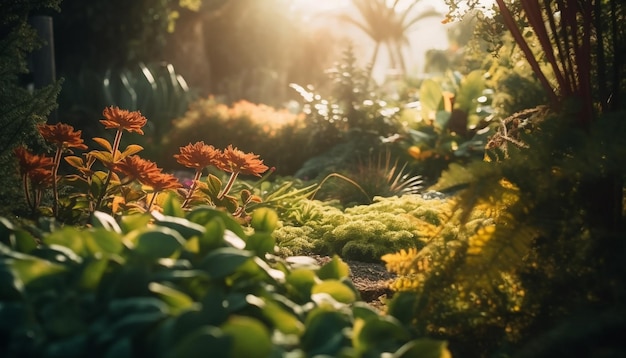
<point>207,341</point>
<point>57,254</point>
<point>378,332</point>
<point>264,220</point>
<point>105,221</point>
<point>103,241</point>
<point>364,311</point>
<point>29,268</point>
<point>261,243</point>
<point>173,207</point>
<point>283,320</point>
<point>155,243</point>
<point>334,269</point>
<point>177,300</point>
<point>92,274</point>
<point>471,88</point>
<point>336,290</point>
<point>302,280</point>
<point>423,348</point>
<point>203,214</point>
<point>16,238</point>
<point>184,227</point>
<point>213,236</point>
<point>129,223</point>
<point>67,236</point>
<point>430,96</point>
<point>250,337</point>
<point>324,333</point>
<point>224,261</point>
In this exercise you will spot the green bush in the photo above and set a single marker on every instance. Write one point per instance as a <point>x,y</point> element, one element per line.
<point>170,286</point>
<point>276,134</point>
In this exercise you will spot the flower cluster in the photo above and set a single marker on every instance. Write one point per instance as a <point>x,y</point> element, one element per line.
<point>115,179</point>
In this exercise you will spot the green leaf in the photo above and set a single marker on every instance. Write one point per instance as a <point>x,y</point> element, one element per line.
<point>106,221</point>
<point>214,185</point>
<point>250,337</point>
<point>204,214</point>
<point>302,280</point>
<point>67,236</point>
<point>103,241</point>
<point>213,236</point>
<point>132,222</point>
<point>173,207</point>
<point>334,269</point>
<point>430,96</point>
<point>29,268</point>
<point>204,342</point>
<point>92,274</point>
<point>177,300</point>
<point>181,225</point>
<point>130,150</point>
<point>324,332</point>
<point>261,243</point>
<point>224,261</point>
<point>155,243</point>
<point>423,348</point>
<point>378,332</point>
<point>283,320</point>
<point>471,88</point>
<point>336,290</point>
<point>264,220</point>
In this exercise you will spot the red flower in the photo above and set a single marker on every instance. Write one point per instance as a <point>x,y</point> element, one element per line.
<point>122,119</point>
<point>161,181</point>
<point>135,167</point>
<point>199,156</point>
<point>236,161</point>
<point>62,135</point>
<point>29,161</point>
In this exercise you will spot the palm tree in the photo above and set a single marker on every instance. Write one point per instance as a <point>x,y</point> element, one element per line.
<point>387,22</point>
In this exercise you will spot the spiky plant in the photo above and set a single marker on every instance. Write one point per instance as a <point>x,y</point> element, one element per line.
<point>379,175</point>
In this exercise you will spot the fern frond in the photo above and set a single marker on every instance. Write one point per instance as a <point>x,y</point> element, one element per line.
<point>497,248</point>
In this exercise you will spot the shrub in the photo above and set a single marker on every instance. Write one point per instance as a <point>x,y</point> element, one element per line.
<point>272,133</point>
<point>182,286</point>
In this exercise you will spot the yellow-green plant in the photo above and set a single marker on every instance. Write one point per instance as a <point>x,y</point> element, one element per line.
<point>117,180</point>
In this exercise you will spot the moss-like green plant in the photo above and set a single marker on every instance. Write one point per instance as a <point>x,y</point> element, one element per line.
<point>363,232</point>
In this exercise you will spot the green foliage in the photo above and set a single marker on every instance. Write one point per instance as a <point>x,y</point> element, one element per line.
<point>451,124</point>
<point>20,109</point>
<point>537,219</point>
<point>364,232</point>
<point>176,287</point>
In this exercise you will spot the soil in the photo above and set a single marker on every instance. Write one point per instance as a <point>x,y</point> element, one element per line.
<point>371,279</point>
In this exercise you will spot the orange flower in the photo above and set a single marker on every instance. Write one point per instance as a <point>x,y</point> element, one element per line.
<point>161,181</point>
<point>29,161</point>
<point>62,135</point>
<point>40,177</point>
<point>236,161</point>
<point>122,119</point>
<point>199,156</point>
<point>135,167</point>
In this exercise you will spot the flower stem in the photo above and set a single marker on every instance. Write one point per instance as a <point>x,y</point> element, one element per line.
<point>196,178</point>
<point>55,188</point>
<point>116,145</point>
<point>229,185</point>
